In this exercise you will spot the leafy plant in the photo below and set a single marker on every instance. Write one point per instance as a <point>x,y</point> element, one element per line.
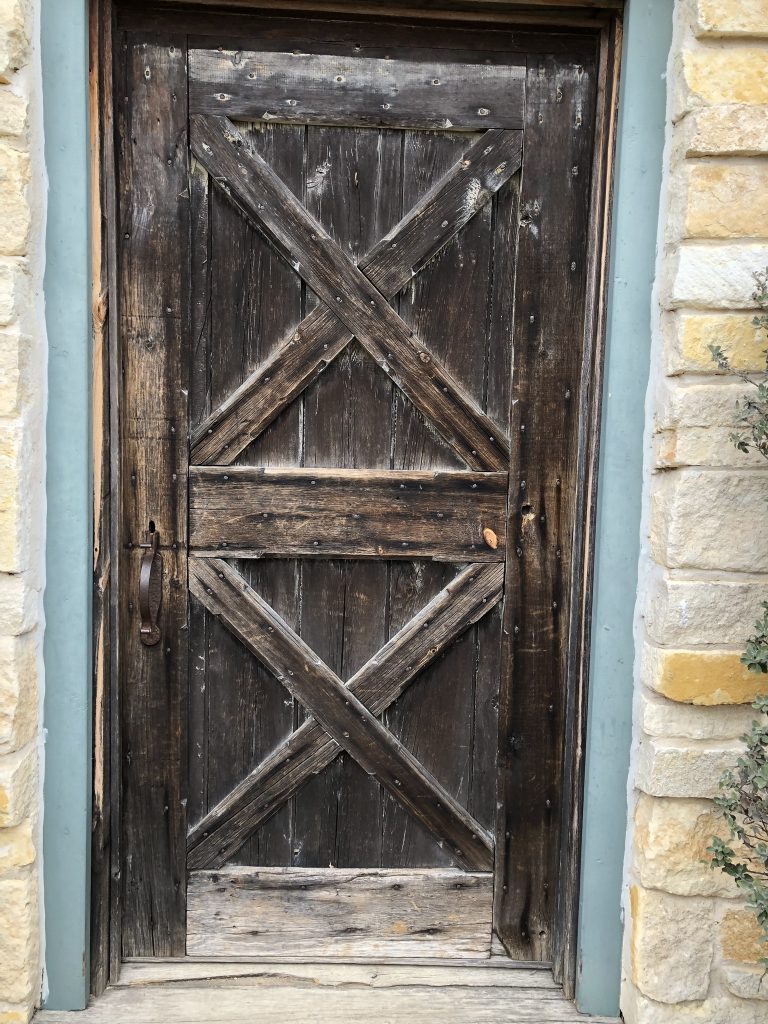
<point>744,789</point>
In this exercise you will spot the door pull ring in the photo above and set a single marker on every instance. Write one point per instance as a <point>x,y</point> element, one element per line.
<point>150,588</point>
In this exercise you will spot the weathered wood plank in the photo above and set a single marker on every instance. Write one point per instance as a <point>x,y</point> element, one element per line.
<point>251,512</point>
<point>380,682</point>
<point>337,281</point>
<point>311,1003</point>
<point>429,225</point>
<point>152,157</point>
<point>340,712</point>
<point>440,973</point>
<point>339,912</point>
<point>549,340</point>
<point>309,88</point>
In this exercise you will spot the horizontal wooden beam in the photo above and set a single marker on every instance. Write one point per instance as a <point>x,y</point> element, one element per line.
<point>253,512</point>
<point>371,92</point>
<point>341,912</point>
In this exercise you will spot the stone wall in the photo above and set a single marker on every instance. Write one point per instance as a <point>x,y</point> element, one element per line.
<point>691,946</point>
<point>22,396</point>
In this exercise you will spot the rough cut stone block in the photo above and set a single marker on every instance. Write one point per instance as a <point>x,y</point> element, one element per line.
<point>657,716</point>
<point>17,846</point>
<point>694,423</point>
<point>14,208</point>
<point>18,690</point>
<point>683,768</point>
<point>731,17</point>
<point>14,112</point>
<point>724,131</point>
<point>18,785</point>
<point>710,519</point>
<point>19,605</point>
<point>10,371</point>
<point>710,76</point>
<point>670,847</point>
<point>19,943</point>
<point>740,937</point>
<point>746,982</point>
<point>672,942</point>
<point>14,36</point>
<point>18,1014</point>
<point>719,1009</point>
<point>14,289</point>
<point>702,677</point>
<point>687,338</point>
<point>727,201</point>
<point>685,613</point>
<point>714,276</point>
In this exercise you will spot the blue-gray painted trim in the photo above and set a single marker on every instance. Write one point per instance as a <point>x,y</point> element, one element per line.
<point>67,707</point>
<point>637,188</point>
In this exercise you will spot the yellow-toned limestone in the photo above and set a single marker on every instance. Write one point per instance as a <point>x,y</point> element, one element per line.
<point>740,937</point>
<point>703,677</point>
<point>731,17</point>
<point>713,76</point>
<point>689,336</point>
<point>727,201</point>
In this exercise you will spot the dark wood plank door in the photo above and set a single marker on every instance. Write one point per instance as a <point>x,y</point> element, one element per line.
<point>352,331</point>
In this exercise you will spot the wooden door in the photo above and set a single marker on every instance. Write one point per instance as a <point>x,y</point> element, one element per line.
<point>352,276</point>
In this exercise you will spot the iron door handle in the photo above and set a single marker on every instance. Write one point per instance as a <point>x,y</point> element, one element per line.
<point>150,589</point>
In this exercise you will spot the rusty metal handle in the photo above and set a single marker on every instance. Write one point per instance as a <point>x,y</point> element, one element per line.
<point>150,589</point>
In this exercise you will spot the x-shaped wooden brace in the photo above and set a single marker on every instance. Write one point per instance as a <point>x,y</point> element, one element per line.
<point>344,716</point>
<point>355,297</point>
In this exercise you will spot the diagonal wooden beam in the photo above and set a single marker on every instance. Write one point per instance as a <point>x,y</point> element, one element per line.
<point>360,306</point>
<point>320,337</point>
<point>339,711</point>
<point>380,682</point>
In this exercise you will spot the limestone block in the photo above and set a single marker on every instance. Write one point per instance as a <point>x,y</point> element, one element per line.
<point>18,690</point>
<point>19,605</point>
<point>10,371</point>
<point>14,208</point>
<point>19,943</point>
<point>670,847</point>
<point>672,943</point>
<point>687,337</point>
<point>18,785</point>
<point>713,276</point>
<point>719,1009</point>
<point>17,846</point>
<point>14,512</point>
<point>727,201</point>
<point>14,36</point>
<point>740,937</point>
<point>683,768</point>
<point>710,519</point>
<point>746,982</point>
<point>710,76</point>
<point>657,716</point>
<point>694,423</point>
<point>14,113</point>
<point>685,613</point>
<point>14,289</point>
<point>731,17</point>
<point>702,677</point>
<point>14,1014</point>
<point>724,131</point>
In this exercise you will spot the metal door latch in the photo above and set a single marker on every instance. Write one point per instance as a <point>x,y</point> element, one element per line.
<point>150,588</point>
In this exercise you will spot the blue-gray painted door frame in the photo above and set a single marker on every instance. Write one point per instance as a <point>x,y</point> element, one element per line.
<point>67,645</point>
<point>68,560</point>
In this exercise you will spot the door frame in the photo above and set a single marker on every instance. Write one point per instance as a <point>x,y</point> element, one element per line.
<point>603,20</point>
<point>608,15</point>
